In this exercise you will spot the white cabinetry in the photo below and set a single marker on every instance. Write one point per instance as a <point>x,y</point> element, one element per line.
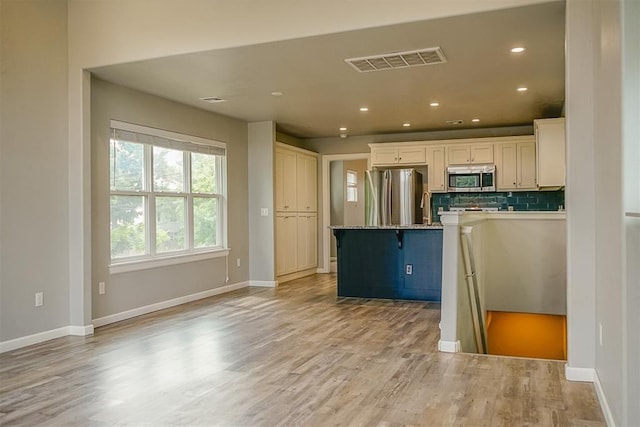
<point>398,156</point>
<point>436,169</point>
<point>461,154</point>
<point>550,152</point>
<point>296,204</point>
<point>307,241</point>
<point>306,183</point>
<point>285,171</point>
<point>286,243</point>
<point>515,166</point>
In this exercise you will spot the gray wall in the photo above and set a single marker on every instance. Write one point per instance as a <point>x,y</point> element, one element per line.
<point>34,249</point>
<point>360,144</point>
<point>602,111</point>
<point>130,290</point>
<point>631,154</point>
<point>261,177</point>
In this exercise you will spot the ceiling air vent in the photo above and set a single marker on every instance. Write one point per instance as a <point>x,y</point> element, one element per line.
<point>410,58</point>
<point>212,99</point>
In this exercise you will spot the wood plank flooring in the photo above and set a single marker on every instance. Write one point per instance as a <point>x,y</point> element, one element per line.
<point>295,355</point>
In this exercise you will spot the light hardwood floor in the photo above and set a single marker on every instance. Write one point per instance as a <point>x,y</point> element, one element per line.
<point>295,355</point>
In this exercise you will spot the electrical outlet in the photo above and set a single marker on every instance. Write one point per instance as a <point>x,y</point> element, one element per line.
<point>101,288</point>
<point>39,299</point>
<point>600,327</point>
<point>409,269</point>
<point>264,211</point>
<point>237,262</point>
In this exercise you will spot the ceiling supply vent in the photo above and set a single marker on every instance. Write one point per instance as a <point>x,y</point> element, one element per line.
<point>410,58</point>
<point>212,99</point>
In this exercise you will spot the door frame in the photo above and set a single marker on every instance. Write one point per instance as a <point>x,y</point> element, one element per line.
<point>326,208</point>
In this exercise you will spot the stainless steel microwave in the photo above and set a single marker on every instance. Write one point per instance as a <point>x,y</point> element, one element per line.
<point>471,178</point>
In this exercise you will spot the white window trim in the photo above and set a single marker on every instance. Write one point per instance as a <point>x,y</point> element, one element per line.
<point>173,259</point>
<point>123,265</point>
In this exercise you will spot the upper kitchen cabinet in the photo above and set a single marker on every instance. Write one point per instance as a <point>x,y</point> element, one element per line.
<point>515,165</point>
<point>307,182</point>
<point>296,180</point>
<point>550,152</point>
<point>285,181</point>
<point>436,169</point>
<point>398,156</point>
<point>461,154</point>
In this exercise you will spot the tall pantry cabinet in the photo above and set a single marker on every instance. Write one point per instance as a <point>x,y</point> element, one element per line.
<point>296,222</point>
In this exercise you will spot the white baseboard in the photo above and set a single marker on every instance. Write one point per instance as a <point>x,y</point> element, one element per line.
<point>41,337</point>
<point>579,374</point>
<point>449,346</point>
<point>101,321</point>
<point>81,331</point>
<point>604,404</point>
<point>322,271</point>
<point>264,283</point>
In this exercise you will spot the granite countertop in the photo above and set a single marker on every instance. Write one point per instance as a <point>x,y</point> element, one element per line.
<point>387,227</point>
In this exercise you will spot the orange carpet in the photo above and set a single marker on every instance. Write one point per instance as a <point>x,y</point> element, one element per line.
<point>541,336</point>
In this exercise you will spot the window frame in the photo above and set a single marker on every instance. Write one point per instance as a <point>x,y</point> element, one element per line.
<point>353,186</point>
<point>152,258</point>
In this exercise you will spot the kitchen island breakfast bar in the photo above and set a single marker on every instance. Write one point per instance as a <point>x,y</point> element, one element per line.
<point>393,262</point>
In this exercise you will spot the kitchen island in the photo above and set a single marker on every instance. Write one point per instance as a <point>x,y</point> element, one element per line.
<point>393,262</point>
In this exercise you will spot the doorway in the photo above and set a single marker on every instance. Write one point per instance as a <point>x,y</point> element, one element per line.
<point>342,198</point>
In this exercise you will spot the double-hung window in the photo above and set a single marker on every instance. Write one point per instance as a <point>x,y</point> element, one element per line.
<point>167,195</point>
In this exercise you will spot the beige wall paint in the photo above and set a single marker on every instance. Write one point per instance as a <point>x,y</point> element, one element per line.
<point>34,245</point>
<point>131,290</point>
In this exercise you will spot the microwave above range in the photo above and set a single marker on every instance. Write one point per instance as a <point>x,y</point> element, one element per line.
<point>471,179</point>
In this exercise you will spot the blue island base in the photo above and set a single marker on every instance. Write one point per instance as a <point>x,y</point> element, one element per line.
<point>390,263</point>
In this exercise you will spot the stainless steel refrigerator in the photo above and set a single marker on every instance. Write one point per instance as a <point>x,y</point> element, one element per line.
<point>393,197</point>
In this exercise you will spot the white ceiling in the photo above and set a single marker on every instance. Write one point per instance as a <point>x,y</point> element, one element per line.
<point>321,92</point>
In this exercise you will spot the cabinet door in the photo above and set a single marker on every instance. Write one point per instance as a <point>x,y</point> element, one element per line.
<point>506,166</point>
<point>481,153</point>
<point>550,152</point>
<point>286,243</point>
<point>458,155</point>
<point>526,165</point>
<point>412,156</point>
<point>307,182</point>
<point>307,241</point>
<point>384,156</point>
<point>285,171</point>
<point>436,169</point>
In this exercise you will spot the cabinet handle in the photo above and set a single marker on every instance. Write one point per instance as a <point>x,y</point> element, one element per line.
<point>286,206</point>
<point>514,183</point>
<point>472,159</point>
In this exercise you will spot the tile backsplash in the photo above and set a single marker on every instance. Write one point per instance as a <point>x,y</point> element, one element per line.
<point>520,200</point>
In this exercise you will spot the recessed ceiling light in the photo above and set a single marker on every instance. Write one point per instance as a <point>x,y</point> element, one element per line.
<point>342,129</point>
<point>276,93</point>
<point>434,104</point>
<point>517,50</point>
<point>522,89</point>
<point>406,125</point>
<point>475,120</point>
<point>364,109</point>
<point>213,99</point>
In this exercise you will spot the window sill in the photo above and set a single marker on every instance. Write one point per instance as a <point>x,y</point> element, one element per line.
<point>125,267</point>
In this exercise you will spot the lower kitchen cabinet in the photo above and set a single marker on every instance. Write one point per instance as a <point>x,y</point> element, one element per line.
<point>296,242</point>
<point>286,243</point>
<point>307,241</point>
<point>390,263</point>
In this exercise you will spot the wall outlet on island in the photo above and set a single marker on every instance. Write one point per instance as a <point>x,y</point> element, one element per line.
<point>409,269</point>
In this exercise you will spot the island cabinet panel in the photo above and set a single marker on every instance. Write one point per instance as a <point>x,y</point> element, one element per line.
<point>424,254</point>
<point>390,263</point>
